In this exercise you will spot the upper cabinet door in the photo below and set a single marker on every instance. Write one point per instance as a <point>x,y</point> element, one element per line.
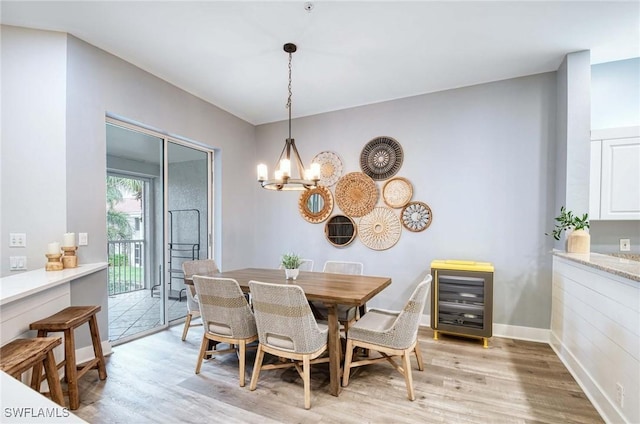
<point>620,179</point>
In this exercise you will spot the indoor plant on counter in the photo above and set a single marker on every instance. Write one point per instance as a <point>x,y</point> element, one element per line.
<point>578,239</point>
<point>291,262</point>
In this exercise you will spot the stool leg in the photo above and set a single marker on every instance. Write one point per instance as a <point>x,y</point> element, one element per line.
<point>97,347</point>
<point>36,373</point>
<point>70,370</point>
<point>51,371</point>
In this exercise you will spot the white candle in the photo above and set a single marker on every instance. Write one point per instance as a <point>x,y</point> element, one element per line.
<point>262,172</point>
<point>69,240</point>
<point>278,174</point>
<point>53,248</point>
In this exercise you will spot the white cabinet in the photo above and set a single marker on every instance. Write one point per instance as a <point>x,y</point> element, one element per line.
<point>615,174</point>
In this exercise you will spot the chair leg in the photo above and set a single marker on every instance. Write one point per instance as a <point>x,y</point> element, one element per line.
<point>203,351</point>
<point>51,371</point>
<point>306,369</point>
<point>256,368</point>
<point>419,356</point>
<point>408,379</point>
<point>347,363</point>
<point>187,323</point>
<point>70,370</point>
<point>97,347</point>
<point>36,375</point>
<point>243,351</point>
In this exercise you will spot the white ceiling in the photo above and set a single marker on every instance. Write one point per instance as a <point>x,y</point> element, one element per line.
<point>229,53</point>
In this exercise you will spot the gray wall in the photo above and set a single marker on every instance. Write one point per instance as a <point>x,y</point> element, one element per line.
<point>481,157</point>
<point>615,94</point>
<point>33,153</point>
<point>57,91</point>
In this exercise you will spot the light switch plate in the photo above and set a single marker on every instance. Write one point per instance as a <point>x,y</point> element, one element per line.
<point>83,239</point>
<point>17,263</point>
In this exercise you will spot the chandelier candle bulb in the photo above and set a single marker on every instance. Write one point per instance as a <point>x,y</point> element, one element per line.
<point>285,167</point>
<point>69,239</point>
<point>53,248</point>
<point>278,175</point>
<point>315,171</point>
<point>263,173</point>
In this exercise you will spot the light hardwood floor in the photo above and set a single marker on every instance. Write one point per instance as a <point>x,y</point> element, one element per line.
<point>152,380</point>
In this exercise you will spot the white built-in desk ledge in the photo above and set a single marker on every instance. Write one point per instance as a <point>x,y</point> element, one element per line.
<point>25,284</point>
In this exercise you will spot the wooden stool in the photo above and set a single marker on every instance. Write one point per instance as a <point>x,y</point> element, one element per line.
<point>21,355</point>
<point>66,321</point>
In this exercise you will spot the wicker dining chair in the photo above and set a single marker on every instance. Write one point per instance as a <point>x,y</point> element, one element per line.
<point>392,334</point>
<point>227,318</point>
<point>189,269</point>
<point>287,329</point>
<point>347,315</point>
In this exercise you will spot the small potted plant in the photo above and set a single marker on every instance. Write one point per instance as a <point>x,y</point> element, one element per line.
<point>291,262</point>
<point>578,239</point>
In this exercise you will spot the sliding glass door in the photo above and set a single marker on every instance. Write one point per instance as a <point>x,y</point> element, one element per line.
<point>159,215</point>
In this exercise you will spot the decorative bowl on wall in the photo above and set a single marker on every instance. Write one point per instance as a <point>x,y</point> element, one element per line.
<point>397,192</point>
<point>416,216</point>
<point>330,167</point>
<point>356,194</point>
<point>379,229</point>
<point>381,158</point>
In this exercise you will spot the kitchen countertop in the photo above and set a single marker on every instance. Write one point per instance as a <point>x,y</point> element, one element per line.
<point>24,284</point>
<point>625,265</point>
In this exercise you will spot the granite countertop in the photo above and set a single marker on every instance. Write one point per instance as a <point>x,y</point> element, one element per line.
<point>625,265</point>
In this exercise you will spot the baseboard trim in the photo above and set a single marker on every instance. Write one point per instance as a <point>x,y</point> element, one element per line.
<point>85,354</point>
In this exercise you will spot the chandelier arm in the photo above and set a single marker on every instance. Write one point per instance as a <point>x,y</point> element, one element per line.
<point>298,160</point>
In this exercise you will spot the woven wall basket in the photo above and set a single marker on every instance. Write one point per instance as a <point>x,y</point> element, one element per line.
<point>379,229</point>
<point>416,216</point>
<point>330,167</point>
<point>397,192</point>
<point>381,158</point>
<point>356,194</point>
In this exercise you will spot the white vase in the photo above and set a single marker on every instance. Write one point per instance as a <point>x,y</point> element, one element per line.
<point>578,241</point>
<point>291,274</point>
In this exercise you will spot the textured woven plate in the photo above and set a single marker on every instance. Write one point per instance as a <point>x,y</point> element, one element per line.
<point>379,229</point>
<point>416,216</point>
<point>381,158</point>
<point>316,204</point>
<point>356,194</point>
<point>330,167</point>
<point>397,192</point>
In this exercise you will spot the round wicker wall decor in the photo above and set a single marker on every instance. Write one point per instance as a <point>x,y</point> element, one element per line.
<point>356,194</point>
<point>316,204</point>
<point>379,229</point>
<point>416,216</point>
<point>330,167</point>
<point>397,192</point>
<point>381,158</point>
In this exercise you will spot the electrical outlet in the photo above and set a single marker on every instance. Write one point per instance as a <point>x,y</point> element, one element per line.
<point>17,263</point>
<point>620,395</point>
<point>625,245</point>
<point>17,240</point>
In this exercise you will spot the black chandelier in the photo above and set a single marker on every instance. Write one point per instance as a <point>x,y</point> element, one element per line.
<point>283,178</point>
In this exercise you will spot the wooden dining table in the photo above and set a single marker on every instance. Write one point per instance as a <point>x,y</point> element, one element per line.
<point>331,289</point>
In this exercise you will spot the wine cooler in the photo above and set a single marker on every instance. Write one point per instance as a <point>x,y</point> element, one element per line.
<point>462,299</point>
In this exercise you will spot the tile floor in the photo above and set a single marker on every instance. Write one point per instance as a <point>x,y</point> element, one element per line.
<point>137,311</point>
